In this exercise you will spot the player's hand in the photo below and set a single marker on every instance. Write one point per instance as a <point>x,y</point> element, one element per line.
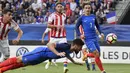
<point>15,42</point>
<point>43,41</point>
<point>82,36</point>
<point>101,36</point>
<point>61,54</point>
<point>77,63</point>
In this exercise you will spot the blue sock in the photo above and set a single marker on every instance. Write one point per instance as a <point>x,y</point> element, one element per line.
<point>87,64</point>
<point>93,66</point>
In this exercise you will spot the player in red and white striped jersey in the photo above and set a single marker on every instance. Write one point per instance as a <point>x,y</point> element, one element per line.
<point>56,22</point>
<point>6,24</point>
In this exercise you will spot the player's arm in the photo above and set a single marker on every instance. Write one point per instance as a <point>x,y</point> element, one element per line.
<point>79,22</point>
<point>68,56</point>
<point>52,47</point>
<point>18,30</point>
<point>98,30</point>
<point>44,34</point>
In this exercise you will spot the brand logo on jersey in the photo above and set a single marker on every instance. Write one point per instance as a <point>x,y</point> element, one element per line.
<point>21,51</point>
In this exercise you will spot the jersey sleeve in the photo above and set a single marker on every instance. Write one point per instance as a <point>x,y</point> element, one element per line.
<point>79,22</point>
<point>14,25</point>
<point>51,18</point>
<point>97,26</point>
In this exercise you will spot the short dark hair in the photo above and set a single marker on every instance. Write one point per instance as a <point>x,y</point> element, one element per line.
<point>78,42</point>
<point>7,10</point>
<point>85,4</point>
<point>58,4</point>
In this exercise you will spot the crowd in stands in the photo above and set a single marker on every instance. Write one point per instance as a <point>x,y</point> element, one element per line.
<point>37,11</point>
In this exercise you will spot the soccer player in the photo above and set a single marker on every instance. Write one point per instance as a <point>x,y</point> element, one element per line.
<point>56,22</point>
<point>40,54</point>
<point>6,24</point>
<point>88,22</point>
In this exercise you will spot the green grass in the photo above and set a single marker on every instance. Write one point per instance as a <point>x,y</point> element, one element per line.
<point>110,68</point>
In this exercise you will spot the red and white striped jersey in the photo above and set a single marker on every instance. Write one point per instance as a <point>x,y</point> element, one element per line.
<point>5,28</point>
<point>59,20</point>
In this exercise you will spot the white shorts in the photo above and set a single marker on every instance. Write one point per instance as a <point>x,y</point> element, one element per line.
<point>4,47</point>
<point>58,40</point>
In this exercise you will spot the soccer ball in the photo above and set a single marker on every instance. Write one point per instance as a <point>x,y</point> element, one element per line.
<point>111,38</point>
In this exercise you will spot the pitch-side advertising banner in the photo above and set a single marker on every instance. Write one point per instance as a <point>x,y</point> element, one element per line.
<point>109,54</point>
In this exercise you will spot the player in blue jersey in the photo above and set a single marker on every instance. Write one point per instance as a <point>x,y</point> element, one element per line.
<point>88,22</point>
<point>40,54</point>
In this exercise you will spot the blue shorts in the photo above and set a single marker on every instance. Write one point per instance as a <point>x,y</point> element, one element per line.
<point>93,45</point>
<point>35,57</point>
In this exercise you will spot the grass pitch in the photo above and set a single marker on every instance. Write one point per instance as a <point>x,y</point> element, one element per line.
<point>110,68</point>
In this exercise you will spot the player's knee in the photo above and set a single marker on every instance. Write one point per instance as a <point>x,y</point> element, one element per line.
<point>96,53</point>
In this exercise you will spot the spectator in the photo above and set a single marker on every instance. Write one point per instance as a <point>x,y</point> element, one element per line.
<point>73,5</point>
<point>46,17</point>
<point>35,6</point>
<point>30,17</point>
<point>25,4</point>
<point>101,16</point>
<point>73,17</point>
<point>44,9</point>
<point>68,21</point>
<point>35,21</point>
<point>68,11</point>
<point>4,2</point>
<point>49,4</point>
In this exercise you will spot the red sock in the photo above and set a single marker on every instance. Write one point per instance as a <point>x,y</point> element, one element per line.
<point>90,55</point>
<point>99,63</point>
<point>8,62</point>
<point>13,66</point>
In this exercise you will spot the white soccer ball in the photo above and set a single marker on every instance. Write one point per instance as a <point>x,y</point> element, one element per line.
<point>111,38</point>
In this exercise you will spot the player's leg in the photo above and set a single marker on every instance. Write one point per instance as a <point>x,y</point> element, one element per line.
<point>4,49</point>
<point>93,48</point>
<point>99,63</point>
<point>93,64</point>
<point>52,40</point>
<point>85,52</point>
<point>64,40</point>
<point>65,65</point>
<point>11,63</point>
<point>48,63</point>
<point>54,62</point>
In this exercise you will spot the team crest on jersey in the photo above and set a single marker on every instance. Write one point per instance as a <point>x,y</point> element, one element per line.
<point>21,51</point>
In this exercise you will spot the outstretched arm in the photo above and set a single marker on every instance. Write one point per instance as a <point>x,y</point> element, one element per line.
<point>52,47</point>
<point>73,60</point>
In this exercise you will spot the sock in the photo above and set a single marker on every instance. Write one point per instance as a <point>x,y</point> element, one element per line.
<point>99,63</point>
<point>90,55</point>
<point>12,66</point>
<point>65,64</point>
<point>8,62</point>
<point>87,64</point>
<point>93,65</point>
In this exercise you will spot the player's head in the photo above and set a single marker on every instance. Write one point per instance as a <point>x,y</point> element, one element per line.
<point>87,8</point>
<point>77,45</point>
<point>59,7</point>
<point>7,14</point>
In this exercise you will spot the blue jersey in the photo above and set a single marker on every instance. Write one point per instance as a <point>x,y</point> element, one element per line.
<point>41,54</point>
<point>88,23</point>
